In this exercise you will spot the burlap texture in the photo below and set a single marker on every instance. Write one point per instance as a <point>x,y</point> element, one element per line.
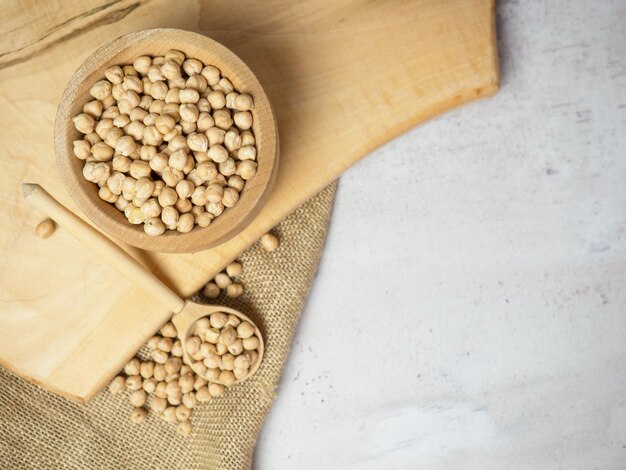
<point>43,431</point>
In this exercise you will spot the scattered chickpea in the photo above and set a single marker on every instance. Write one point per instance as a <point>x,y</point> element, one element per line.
<point>234,290</point>
<point>227,378</point>
<point>117,385</point>
<point>211,290</point>
<point>184,428</point>
<point>182,413</point>
<point>269,242</point>
<point>161,388</point>
<point>152,342</point>
<point>150,385</point>
<point>138,415</point>
<point>169,330</point>
<point>132,367</point>
<point>189,400</point>
<point>160,357</point>
<point>234,269</point>
<point>203,395</point>
<point>222,348</point>
<point>169,414</point>
<point>146,369</point>
<point>158,405</point>
<point>177,351</point>
<point>223,280</point>
<point>173,365</point>
<point>165,344</point>
<point>134,382</point>
<point>215,389</point>
<point>138,398</point>
<point>45,228</point>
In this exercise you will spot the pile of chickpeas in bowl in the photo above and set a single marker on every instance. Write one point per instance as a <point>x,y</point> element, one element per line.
<point>168,141</point>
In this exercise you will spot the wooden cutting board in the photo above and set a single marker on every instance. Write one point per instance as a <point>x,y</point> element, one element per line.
<point>343,77</point>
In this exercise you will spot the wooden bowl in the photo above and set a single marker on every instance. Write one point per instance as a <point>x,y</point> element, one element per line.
<point>154,42</point>
<point>185,323</point>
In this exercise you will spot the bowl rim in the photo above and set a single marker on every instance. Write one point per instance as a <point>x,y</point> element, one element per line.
<point>109,218</point>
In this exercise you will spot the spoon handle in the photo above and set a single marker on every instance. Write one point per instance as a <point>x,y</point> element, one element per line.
<point>101,246</point>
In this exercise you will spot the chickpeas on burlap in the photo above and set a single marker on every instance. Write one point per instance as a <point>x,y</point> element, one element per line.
<point>42,430</point>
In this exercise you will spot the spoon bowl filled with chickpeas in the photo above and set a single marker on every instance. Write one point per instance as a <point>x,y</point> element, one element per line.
<point>220,344</point>
<point>166,140</point>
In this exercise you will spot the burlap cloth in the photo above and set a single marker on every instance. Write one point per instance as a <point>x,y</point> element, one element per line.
<point>43,431</point>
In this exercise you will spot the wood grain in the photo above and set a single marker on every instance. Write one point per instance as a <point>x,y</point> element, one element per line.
<point>108,251</point>
<point>157,42</point>
<point>343,78</point>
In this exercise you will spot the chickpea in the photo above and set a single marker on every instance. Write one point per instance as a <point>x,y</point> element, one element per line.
<point>198,142</point>
<point>227,378</point>
<point>243,120</point>
<point>217,153</point>
<point>84,123</point>
<point>183,206</point>
<point>114,74</point>
<point>185,189</point>
<point>222,119</point>
<point>211,74</point>
<point>117,385</point>
<point>246,169</point>
<point>171,70</point>
<point>153,226</point>
<point>185,223</point>
<point>247,152</point>
<point>244,102</point>
<point>189,95</point>
<point>215,135</point>
<point>169,216</point>
<point>236,182</point>
<point>251,343</point>
<point>247,138</point>
<point>215,389</point>
<point>215,208</point>
<point>100,90</point>
<point>211,290</point>
<point>234,290</point>
<point>202,218</point>
<point>269,242</point>
<point>168,197</point>
<point>171,176</point>
<point>216,100</point>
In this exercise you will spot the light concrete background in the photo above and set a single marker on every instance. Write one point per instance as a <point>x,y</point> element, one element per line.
<point>471,311</point>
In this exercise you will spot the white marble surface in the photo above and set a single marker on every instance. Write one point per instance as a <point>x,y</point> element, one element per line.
<point>471,311</point>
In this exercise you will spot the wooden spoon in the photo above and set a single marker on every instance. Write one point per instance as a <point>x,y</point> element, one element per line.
<point>185,313</point>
